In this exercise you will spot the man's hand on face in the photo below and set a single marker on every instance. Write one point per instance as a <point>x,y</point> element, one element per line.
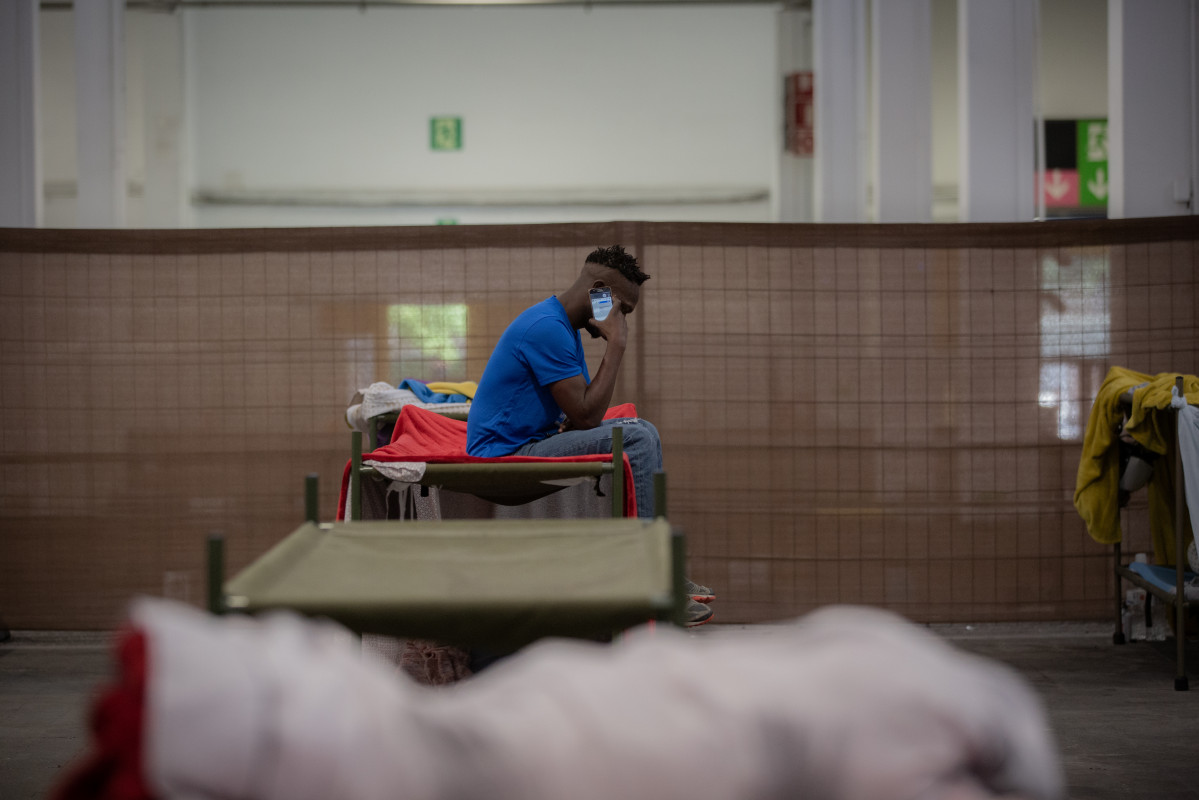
<point>614,328</point>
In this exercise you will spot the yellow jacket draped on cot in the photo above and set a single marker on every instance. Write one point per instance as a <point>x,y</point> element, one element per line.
<point>1096,490</point>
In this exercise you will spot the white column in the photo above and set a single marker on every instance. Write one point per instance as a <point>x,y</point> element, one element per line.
<point>839,64</point>
<point>795,172</point>
<point>997,51</point>
<point>164,115</point>
<point>901,81</point>
<point>100,112</point>
<point>20,167</point>
<point>1151,107</point>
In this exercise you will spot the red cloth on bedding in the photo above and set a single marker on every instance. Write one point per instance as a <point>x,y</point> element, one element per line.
<point>426,436</point>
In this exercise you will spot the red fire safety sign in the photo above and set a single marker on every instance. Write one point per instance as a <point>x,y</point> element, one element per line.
<point>800,114</point>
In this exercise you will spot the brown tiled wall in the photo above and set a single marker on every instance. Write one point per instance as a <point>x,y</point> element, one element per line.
<point>868,414</point>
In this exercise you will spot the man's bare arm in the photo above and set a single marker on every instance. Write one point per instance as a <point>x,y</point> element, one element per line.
<point>585,404</point>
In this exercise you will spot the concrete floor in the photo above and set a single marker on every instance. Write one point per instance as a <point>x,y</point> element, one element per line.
<point>1122,730</point>
<point>46,681</point>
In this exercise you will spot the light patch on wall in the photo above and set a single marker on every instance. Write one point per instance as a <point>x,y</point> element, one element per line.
<point>1075,335</point>
<point>360,360</point>
<point>427,342</point>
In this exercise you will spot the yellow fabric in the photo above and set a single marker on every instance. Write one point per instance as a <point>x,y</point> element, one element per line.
<point>1157,431</point>
<point>445,387</point>
<point>1096,490</point>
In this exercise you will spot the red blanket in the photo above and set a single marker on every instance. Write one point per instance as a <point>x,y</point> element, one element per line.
<point>422,435</point>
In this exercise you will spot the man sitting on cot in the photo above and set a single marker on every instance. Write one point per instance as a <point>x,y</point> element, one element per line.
<point>537,398</point>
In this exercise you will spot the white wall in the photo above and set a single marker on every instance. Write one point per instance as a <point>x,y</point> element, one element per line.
<point>945,109</point>
<point>59,130</point>
<point>1152,135</point>
<point>20,165</point>
<point>794,200</point>
<point>557,98</point>
<point>630,98</point>
<point>1073,59</point>
<point>57,89</point>
<point>1072,79</point>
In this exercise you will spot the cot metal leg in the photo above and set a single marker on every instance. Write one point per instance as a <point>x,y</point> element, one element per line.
<point>355,476</point>
<point>660,494</point>
<point>1118,634</point>
<point>678,553</point>
<point>311,499</point>
<point>678,556</point>
<point>617,471</point>
<point>216,574</point>
<point>678,559</point>
<point>1180,600</point>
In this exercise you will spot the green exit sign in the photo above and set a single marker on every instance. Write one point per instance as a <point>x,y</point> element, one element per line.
<point>1092,162</point>
<point>445,133</point>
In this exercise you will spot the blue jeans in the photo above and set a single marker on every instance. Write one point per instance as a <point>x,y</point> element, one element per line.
<point>641,444</point>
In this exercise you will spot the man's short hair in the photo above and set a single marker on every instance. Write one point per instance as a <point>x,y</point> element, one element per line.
<point>616,258</point>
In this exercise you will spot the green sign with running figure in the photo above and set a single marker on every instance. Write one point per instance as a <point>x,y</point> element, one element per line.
<point>445,133</point>
<point>1092,162</point>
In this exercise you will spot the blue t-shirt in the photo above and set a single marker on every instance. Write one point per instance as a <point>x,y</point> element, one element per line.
<point>513,404</point>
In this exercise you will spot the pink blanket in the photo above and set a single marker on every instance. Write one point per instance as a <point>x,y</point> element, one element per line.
<point>425,436</point>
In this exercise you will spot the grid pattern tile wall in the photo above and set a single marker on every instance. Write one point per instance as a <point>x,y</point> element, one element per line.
<point>869,414</point>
